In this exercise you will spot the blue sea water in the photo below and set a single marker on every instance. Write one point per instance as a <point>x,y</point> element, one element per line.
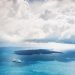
<point>62,64</point>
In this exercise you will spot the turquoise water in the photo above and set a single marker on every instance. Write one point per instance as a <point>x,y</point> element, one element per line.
<point>61,65</point>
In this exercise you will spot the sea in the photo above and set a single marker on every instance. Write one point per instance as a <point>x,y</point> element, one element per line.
<point>57,64</point>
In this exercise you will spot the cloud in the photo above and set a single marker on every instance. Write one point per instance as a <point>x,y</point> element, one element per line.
<point>48,20</point>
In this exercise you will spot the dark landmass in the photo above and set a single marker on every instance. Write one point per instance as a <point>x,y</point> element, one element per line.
<point>35,51</point>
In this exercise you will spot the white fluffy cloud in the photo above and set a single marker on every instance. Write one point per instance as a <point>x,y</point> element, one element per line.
<point>22,20</point>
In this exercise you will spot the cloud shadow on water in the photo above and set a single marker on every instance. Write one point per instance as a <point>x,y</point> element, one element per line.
<point>67,56</point>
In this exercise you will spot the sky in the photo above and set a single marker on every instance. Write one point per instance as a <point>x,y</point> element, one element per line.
<point>37,21</point>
